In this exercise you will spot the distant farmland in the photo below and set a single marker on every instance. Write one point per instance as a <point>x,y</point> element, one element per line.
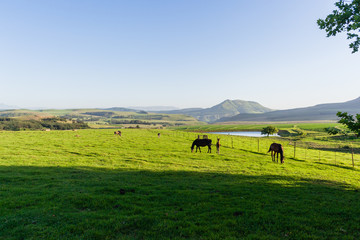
<point>96,118</point>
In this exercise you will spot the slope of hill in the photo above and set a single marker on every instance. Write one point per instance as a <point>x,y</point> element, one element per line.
<point>24,114</point>
<point>97,118</point>
<point>318,112</point>
<point>228,108</point>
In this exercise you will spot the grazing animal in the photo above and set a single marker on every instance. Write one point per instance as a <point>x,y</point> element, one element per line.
<point>276,148</point>
<point>158,134</point>
<point>117,133</point>
<point>201,143</point>
<point>218,146</point>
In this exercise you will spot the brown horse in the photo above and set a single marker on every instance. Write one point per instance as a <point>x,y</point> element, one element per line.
<point>117,133</point>
<point>218,146</point>
<point>201,143</point>
<point>276,148</point>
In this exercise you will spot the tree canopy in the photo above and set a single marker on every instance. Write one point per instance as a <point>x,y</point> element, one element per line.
<point>353,124</point>
<point>346,18</point>
<point>270,130</point>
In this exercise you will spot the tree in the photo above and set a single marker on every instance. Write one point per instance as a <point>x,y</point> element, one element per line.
<point>345,19</point>
<point>350,122</point>
<point>269,130</point>
<point>332,130</point>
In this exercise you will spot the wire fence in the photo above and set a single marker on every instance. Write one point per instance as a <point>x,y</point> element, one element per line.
<point>335,154</point>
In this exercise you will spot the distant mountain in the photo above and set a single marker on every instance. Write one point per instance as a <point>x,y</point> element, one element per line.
<point>318,112</point>
<point>7,107</point>
<point>228,108</point>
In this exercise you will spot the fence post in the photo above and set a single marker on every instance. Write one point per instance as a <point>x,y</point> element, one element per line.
<point>352,155</point>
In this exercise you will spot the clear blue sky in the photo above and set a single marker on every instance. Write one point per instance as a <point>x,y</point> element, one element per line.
<point>182,53</point>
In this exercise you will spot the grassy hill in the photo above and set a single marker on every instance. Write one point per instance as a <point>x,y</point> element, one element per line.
<point>227,108</point>
<point>116,119</point>
<point>16,120</point>
<point>315,113</point>
<point>91,184</point>
<point>24,114</point>
<point>97,118</point>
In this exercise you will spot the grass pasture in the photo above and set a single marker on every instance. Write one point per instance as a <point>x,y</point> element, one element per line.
<point>90,184</point>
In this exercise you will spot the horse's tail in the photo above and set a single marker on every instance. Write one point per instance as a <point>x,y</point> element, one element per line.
<point>269,149</point>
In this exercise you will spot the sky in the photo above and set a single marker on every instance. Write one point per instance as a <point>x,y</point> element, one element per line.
<point>181,53</point>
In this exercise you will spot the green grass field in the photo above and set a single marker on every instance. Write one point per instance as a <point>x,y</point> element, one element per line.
<point>90,184</point>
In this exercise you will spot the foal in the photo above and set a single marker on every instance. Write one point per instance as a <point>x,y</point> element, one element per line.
<point>218,146</point>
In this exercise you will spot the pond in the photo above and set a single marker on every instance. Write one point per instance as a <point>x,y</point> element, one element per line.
<point>245,133</point>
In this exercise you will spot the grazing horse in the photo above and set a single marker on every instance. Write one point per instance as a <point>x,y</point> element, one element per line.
<point>218,146</point>
<point>201,143</point>
<point>276,148</point>
<point>117,133</point>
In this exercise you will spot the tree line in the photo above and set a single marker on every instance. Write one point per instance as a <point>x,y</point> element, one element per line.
<point>54,123</point>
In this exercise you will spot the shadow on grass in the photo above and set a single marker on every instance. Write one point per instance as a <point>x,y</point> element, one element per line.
<point>254,152</point>
<point>297,160</point>
<point>345,150</point>
<point>92,203</point>
<point>337,166</point>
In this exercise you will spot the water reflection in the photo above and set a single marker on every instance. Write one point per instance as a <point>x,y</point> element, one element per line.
<point>246,134</point>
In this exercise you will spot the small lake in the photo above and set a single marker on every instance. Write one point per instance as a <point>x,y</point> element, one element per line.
<point>245,133</point>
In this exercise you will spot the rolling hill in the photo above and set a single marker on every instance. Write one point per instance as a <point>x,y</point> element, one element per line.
<point>228,108</point>
<point>315,113</point>
<point>227,111</point>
